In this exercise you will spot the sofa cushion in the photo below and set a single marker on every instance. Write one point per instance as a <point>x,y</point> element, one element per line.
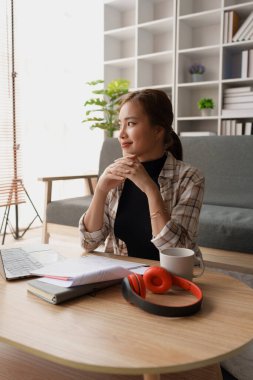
<point>68,211</point>
<point>227,163</point>
<point>228,228</point>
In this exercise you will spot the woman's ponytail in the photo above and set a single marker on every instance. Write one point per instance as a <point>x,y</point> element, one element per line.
<point>175,146</point>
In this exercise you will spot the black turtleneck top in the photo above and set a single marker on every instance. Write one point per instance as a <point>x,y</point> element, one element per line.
<point>132,223</point>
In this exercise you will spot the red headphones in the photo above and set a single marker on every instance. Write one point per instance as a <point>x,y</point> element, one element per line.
<point>159,280</point>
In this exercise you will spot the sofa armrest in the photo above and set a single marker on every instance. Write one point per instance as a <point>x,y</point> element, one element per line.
<point>63,178</point>
<point>89,179</point>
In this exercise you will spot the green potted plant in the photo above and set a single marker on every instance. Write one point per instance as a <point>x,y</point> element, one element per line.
<point>197,71</point>
<point>206,106</point>
<point>102,110</point>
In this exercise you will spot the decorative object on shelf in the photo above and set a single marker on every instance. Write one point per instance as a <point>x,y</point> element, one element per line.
<point>197,70</point>
<point>106,105</point>
<point>206,106</point>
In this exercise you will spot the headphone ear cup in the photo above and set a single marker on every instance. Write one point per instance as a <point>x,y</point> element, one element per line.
<point>137,284</point>
<point>157,279</point>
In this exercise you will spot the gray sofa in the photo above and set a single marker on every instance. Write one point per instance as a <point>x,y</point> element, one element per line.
<point>226,220</point>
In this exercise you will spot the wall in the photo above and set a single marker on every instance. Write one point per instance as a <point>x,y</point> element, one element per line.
<point>59,46</point>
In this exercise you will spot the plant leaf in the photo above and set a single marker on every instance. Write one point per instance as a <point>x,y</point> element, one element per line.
<point>95,82</point>
<point>96,102</point>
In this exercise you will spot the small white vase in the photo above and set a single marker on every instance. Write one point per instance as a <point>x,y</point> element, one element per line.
<point>197,77</point>
<point>206,112</point>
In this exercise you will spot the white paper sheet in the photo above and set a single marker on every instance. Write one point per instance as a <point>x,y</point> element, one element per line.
<point>85,270</point>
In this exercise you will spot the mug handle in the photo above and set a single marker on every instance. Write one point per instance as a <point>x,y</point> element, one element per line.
<point>201,267</point>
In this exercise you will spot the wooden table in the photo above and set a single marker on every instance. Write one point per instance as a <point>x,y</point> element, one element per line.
<point>105,334</point>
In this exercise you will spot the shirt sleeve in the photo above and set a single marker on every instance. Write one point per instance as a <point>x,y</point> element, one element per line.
<point>91,240</point>
<point>181,229</point>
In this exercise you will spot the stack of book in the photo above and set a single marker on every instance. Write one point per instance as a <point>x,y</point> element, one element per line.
<point>245,32</point>
<point>236,128</point>
<point>238,101</point>
<point>231,25</point>
<point>247,63</point>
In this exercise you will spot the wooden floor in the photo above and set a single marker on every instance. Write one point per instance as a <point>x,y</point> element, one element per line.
<point>33,235</point>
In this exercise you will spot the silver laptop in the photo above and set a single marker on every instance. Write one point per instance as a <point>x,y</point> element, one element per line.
<point>19,262</point>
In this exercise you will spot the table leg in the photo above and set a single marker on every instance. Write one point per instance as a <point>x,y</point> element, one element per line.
<point>218,372</point>
<point>150,376</point>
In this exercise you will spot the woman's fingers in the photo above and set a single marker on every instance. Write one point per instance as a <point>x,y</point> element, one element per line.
<point>121,166</point>
<point>117,177</point>
<point>129,159</point>
<point>120,169</point>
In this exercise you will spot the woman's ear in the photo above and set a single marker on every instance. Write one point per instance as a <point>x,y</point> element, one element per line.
<point>159,132</point>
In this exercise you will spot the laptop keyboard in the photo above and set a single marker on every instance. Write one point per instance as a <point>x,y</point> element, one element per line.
<point>18,263</point>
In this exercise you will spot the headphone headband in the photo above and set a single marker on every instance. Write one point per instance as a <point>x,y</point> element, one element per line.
<point>166,311</point>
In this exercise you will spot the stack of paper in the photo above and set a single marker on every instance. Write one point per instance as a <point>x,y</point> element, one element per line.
<point>85,270</point>
<point>71,278</point>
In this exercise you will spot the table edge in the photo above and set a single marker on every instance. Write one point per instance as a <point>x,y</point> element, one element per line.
<point>123,370</point>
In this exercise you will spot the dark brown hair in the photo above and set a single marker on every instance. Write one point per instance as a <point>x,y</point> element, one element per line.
<point>158,107</point>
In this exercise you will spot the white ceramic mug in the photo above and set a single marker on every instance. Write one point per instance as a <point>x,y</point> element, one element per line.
<point>180,261</point>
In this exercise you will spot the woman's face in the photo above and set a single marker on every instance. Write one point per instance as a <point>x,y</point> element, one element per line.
<point>137,135</point>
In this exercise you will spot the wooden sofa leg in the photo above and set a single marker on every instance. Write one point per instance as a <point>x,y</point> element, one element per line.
<point>47,200</point>
<point>45,234</point>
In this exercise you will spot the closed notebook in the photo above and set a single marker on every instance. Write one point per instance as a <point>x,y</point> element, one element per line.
<point>57,294</point>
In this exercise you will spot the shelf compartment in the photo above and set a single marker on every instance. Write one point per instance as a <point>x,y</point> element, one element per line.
<point>119,44</point>
<point>197,125</point>
<point>232,59</point>
<point>237,3</point>
<point>189,96</point>
<point>193,6</point>
<point>150,10</point>
<point>228,83</point>
<point>155,37</point>
<point>243,11</point>
<point>155,70</point>
<point>124,69</point>
<point>199,30</point>
<point>208,57</point>
<point>119,14</point>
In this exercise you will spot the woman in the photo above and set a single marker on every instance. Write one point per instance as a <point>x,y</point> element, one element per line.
<point>147,200</point>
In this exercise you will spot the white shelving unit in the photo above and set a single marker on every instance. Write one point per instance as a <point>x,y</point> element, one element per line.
<point>139,43</point>
<point>199,26</point>
<point>153,42</point>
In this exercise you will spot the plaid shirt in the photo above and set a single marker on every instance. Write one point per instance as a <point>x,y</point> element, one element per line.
<point>182,189</point>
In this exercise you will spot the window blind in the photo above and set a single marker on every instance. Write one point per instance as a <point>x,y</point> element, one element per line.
<point>11,188</point>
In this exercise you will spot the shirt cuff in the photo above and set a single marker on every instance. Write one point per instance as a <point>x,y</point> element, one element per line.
<point>170,236</point>
<point>89,237</point>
